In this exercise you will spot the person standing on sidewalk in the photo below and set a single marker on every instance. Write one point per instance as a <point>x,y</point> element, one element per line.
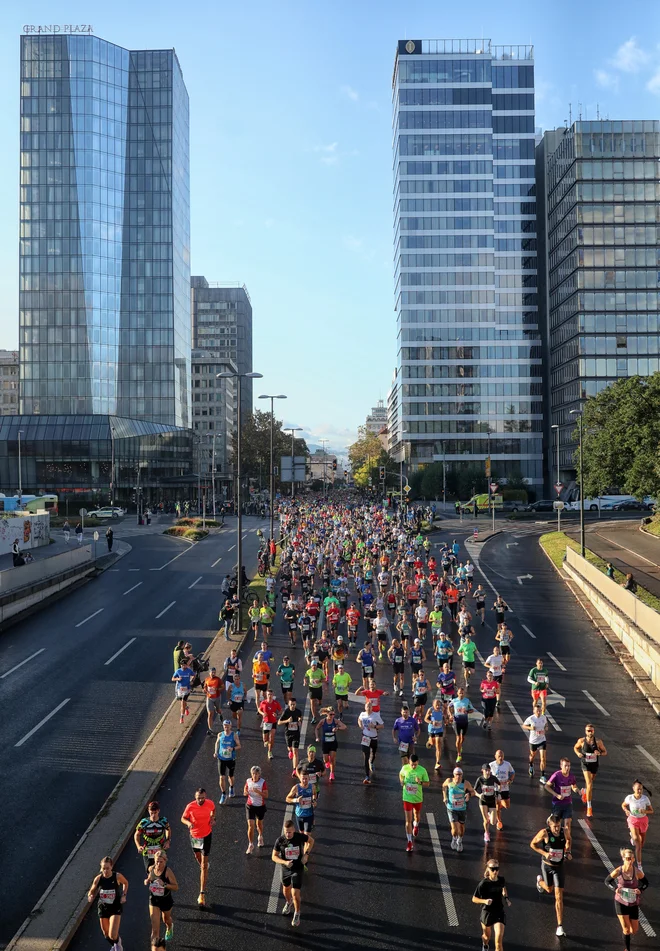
<point>79,533</point>
<point>109,537</point>
<point>111,889</point>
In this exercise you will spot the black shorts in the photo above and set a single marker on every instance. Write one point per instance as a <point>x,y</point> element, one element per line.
<point>164,902</point>
<point>236,705</point>
<point>108,911</point>
<point>481,605</point>
<point>316,693</point>
<point>226,767</point>
<point>322,656</point>
<point>533,747</point>
<point>207,841</point>
<point>469,664</point>
<point>631,911</point>
<point>460,729</point>
<point>553,874</point>
<point>488,705</point>
<point>506,650</point>
<point>292,740</point>
<point>488,917</point>
<point>255,812</point>
<point>382,637</point>
<point>421,699</point>
<point>490,802</point>
<point>367,672</point>
<point>291,879</point>
<point>505,795</point>
<point>329,747</point>
<point>398,668</point>
<point>590,768</point>
<point>341,696</point>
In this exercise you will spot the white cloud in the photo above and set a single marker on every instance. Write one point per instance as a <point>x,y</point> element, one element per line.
<point>629,58</point>
<point>653,85</point>
<point>326,148</point>
<point>606,80</point>
<point>328,153</point>
<point>350,93</point>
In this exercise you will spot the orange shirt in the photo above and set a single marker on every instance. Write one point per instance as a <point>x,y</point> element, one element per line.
<point>353,615</point>
<point>200,814</point>
<point>260,671</point>
<point>452,595</point>
<point>212,687</point>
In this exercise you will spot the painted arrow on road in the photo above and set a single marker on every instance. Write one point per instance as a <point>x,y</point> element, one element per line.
<point>251,695</point>
<point>521,578</point>
<point>555,698</point>
<point>512,544</point>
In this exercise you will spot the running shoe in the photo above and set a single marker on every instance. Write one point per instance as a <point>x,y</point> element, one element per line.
<point>169,932</point>
<point>260,842</point>
<point>270,754</point>
<point>290,754</point>
<point>223,799</point>
<point>187,712</point>
<point>231,792</point>
<point>327,765</point>
<point>459,758</point>
<point>293,773</point>
<point>210,733</point>
<point>543,780</point>
<point>409,846</point>
<point>250,849</point>
<point>453,842</point>
<point>415,829</point>
<point>459,844</point>
<point>287,908</point>
<point>560,932</point>
<point>295,921</point>
<point>366,782</point>
<point>500,824</point>
<point>583,796</point>
<point>332,777</point>
<point>201,900</point>
<point>531,770</point>
<point>181,719</point>
<point>590,812</point>
<point>486,836</point>
<point>539,889</point>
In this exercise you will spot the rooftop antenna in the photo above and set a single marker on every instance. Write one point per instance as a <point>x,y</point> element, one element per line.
<point>570,113</point>
<point>598,110</point>
<point>579,112</point>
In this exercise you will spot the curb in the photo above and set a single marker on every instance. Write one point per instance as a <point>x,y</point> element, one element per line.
<point>43,938</point>
<point>623,657</point>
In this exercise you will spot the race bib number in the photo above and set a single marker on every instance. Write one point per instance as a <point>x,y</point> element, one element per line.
<point>403,747</point>
<point>368,669</point>
<point>293,726</point>
<point>555,855</point>
<point>267,726</point>
<point>181,691</point>
<point>152,850</point>
<point>366,741</point>
<point>196,843</point>
<point>565,792</point>
<point>305,802</point>
<point>590,757</point>
<point>628,895</point>
<point>291,852</point>
<point>107,896</point>
<point>540,679</point>
<point>412,789</point>
<point>226,752</point>
<point>458,803</point>
<point>487,790</point>
<point>157,888</point>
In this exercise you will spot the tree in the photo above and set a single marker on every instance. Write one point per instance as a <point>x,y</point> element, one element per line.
<point>255,446</point>
<point>366,455</point>
<point>621,438</point>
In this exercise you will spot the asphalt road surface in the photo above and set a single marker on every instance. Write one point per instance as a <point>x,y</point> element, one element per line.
<point>82,685</point>
<point>362,888</point>
<point>628,548</point>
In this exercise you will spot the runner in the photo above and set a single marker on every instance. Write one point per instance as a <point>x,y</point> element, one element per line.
<point>341,683</point>
<point>404,733</point>
<point>365,657</point>
<point>539,678</point>
<point>456,793</point>
<point>213,691</point>
<point>314,768</point>
<point>111,889</point>
<point>421,689</point>
<point>266,616</point>
<point>396,656</point>
<point>491,894</point>
<point>490,695</point>
<point>352,622</point>
<point>447,685</point>
<point>256,793</point>
<point>495,663</point>
<point>260,675</point>
<point>417,659</point>
<point>237,695</point>
<point>504,638</point>
<point>459,711</point>
<point>381,626</point>
<point>435,717</point>
<point>232,665</point>
<point>286,673</point>
<point>487,788</point>
<point>303,796</point>
<point>505,772</point>
<point>499,607</point>
<point>226,746</point>
<point>589,750</point>
<point>254,614</point>
<point>413,778</point>
<point>370,723</point>
<point>422,618</point>
<point>435,619</point>
<point>562,784</point>
<point>444,650</point>
<point>371,692</point>
<point>479,596</point>
<point>292,719</point>
<point>467,650</point>
<point>291,852</point>
<point>199,817</point>
<point>536,725</point>
<point>638,808</point>
<point>314,681</point>
<point>161,882</point>
<point>327,728</point>
<point>551,844</point>
<point>627,883</point>
<point>270,709</point>
<point>183,680</point>
<point>152,834</point>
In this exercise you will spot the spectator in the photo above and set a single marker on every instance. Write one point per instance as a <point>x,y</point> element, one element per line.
<point>630,584</point>
<point>79,533</point>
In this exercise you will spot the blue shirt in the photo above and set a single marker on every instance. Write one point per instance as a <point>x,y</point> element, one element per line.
<point>305,808</point>
<point>447,682</point>
<point>237,692</point>
<point>226,746</point>
<point>268,656</point>
<point>406,729</point>
<point>461,708</point>
<point>437,721</point>
<point>185,676</point>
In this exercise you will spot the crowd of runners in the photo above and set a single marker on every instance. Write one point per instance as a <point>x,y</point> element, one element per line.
<point>363,591</point>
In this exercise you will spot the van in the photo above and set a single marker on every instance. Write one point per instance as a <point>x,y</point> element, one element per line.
<point>482,502</point>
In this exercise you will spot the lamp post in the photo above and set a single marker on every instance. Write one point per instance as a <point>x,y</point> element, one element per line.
<point>271,489</point>
<point>213,435</point>
<point>556,426</point>
<point>20,470</point>
<point>292,430</point>
<point>225,375</point>
<point>578,413</point>
<point>324,441</point>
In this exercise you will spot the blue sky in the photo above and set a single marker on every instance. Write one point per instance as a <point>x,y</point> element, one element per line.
<point>291,169</point>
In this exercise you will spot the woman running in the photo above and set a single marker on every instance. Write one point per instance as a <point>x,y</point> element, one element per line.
<point>637,808</point>
<point>161,882</point>
<point>256,793</point>
<point>328,727</point>
<point>111,889</point>
<point>627,883</point>
<point>491,894</point>
<point>435,717</point>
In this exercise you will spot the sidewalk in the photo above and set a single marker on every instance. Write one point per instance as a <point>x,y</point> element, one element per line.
<point>57,546</point>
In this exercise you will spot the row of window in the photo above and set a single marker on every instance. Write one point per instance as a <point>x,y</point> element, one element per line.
<point>449,96</point>
<point>621,366</point>
<point>629,169</point>
<point>473,223</point>
<point>475,426</point>
<point>442,185</point>
<point>465,315</point>
<point>471,389</point>
<point>640,300</point>
<point>446,278</point>
<point>515,171</point>
<point>448,260</point>
<point>516,188</point>
<point>472,143</point>
<point>464,334</point>
<point>451,119</point>
<point>619,323</point>
<point>518,408</point>
<point>447,297</point>
<point>472,353</point>
<point>450,371</point>
<point>618,235</point>
<point>515,208</point>
<point>610,345</point>
<point>618,191</point>
<point>617,143</point>
<point>446,71</point>
<point>446,241</point>
<point>475,167</point>
<point>446,204</point>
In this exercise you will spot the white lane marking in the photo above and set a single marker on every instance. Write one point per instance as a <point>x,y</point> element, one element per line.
<point>195,582</point>
<point>232,548</point>
<point>41,722</point>
<point>244,536</point>
<point>515,713</point>
<point>595,703</point>
<point>190,546</point>
<point>275,886</point>
<point>452,917</point>
<point>602,855</point>
<point>554,722</point>
<point>528,630</point>
<point>36,654</point>
<point>165,609</point>
<point>636,553</point>
<point>80,623</point>
<point>137,569</point>
<point>641,749</point>
<point>557,662</point>
<point>133,588</point>
<point>216,562</point>
<point>120,651</point>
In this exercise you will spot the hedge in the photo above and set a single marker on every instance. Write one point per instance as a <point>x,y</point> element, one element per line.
<point>181,531</point>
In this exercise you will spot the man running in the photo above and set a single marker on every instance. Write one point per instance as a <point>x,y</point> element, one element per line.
<point>562,784</point>
<point>536,725</point>
<point>183,680</point>
<point>539,678</point>
<point>505,772</point>
<point>226,746</point>
<point>213,692</point>
<point>341,682</point>
<point>456,792</point>
<point>291,719</point>
<point>270,709</point>
<point>370,723</point>
<point>490,695</point>
<point>396,656</point>
<point>413,778</point>
<point>199,817</point>
<point>314,680</point>
<point>404,733</point>
<point>589,750</point>
<point>459,710</point>
<point>291,852</point>
<point>551,844</point>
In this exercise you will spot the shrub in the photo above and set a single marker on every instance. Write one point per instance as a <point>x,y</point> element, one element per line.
<point>184,531</point>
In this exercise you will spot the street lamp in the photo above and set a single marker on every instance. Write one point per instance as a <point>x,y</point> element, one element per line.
<point>556,426</point>
<point>272,461</point>
<point>292,430</point>
<point>213,435</point>
<point>227,375</point>
<point>324,441</point>
<point>20,473</point>
<point>578,413</point>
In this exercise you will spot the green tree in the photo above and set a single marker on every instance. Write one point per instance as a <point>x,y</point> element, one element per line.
<point>621,438</point>
<point>366,455</point>
<point>255,447</point>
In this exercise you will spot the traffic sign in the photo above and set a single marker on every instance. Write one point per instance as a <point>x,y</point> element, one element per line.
<point>558,487</point>
<point>406,489</point>
<point>82,513</point>
<point>558,506</point>
<point>494,487</point>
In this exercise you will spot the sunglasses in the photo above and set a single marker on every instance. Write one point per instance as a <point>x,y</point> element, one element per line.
<point>493,868</point>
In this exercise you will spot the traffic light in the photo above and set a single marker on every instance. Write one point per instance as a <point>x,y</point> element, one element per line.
<point>334,465</point>
<point>381,473</point>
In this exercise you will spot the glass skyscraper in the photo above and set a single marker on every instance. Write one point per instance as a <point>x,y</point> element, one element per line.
<point>105,231</point>
<point>469,357</point>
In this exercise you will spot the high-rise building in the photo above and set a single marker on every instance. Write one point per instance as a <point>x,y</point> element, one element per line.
<point>377,418</point>
<point>221,316</point>
<point>599,185</point>
<point>214,417</point>
<point>105,231</point>
<point>8,382</point>
<point>469,358</point>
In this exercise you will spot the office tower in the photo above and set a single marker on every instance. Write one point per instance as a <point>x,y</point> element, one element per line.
<point>222,324</point>
<point>214,417</point>
<point>599,185</point>
<point>104,242</point>
<point>469,357</point>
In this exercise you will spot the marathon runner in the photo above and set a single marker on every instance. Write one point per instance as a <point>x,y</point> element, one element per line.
<point>638,808</point>
<point>551,844</point>
<point>303,797</point>
<point>199,817</point>
<point>627,883</point>
<point>487,788</point>
<point>456,793</point>
<point>405,732</point>
<point>539,678</point>
<point>314,680</point>
<point>152,834</point>
<point>491,894</point>
<point>226,746</point>
<point>270,710</point>
<point>562,784</point>
<point>505,772</point>
<point>536,725</point>
<point>370,723</point>
<point>110,888</point>
<point>413,778</point>
<point>256,794</point>
<point>435,718</point>
<point>292,719</point>
<point>459,710</point>
<point>291,852</point>
<point>589,750</point>
<point>161,882</point>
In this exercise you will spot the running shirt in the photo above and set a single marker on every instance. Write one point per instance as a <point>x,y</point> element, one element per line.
<point>461,707</point>
<point>367,724</point>
<point>406,728</point>
<point>304,808</point>
<point>444,649</point>
<point>212,687</point>
<point>200,815</point>
<point>637,807</point>
<point>314,677</point>
<point>495,662</point>
<point>562,786</point>
<point>554,847</point>
<point>505,637</point>
<point>329,730</point>
<point>487,787</point>
<point>255,791</point>
<point>539,678</point>
<point>488,689</point>
<point>374,695</point>
<point>291,720</point>
<point>435,617</point>
<point>270,711</point>
<point>416,656</point>
<point>341,683</point>
<point>467,650</point>
<point>366,658</point>
<point>237,693</point>
<point>447,683</point>
<point>397,655</point>
<point>457,796</point>
<point>413,777</point>
<point>436,721</point>
<point>185,676</point>
<point>154,834</point>
<point>226,746</point>
<point>260,671</point>
<point>420,688</point>
<point>538,725</point>
<point>286,673</point>
<point>504,772</point>
<point>291,850</point>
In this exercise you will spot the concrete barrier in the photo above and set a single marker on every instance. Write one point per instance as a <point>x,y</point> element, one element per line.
<point>13,578</point>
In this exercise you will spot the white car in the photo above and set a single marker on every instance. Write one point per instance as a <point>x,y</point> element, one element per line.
<point>105,513</point>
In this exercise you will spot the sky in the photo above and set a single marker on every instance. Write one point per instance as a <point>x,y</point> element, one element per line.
<point>291,162</point>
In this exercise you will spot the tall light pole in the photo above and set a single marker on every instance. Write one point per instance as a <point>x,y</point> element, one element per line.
<point>556,426</point>
<point>225,375</point>
<point>20,470</point>
<point>213,435</point>
<point>272,461</point>
<point>292,430</point>
<point>578,413</point>
<point>324,441</point>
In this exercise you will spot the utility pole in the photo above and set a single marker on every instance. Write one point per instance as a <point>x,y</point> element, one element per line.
<point>578,413</point>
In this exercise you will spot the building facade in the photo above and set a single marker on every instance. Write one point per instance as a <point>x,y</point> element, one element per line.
<point>214,418</point>
<point>376,419</point>
<point>9,391</point>
<point>221,315</point>
<point>600,186</point>
<point>104,231</point>
<point>465,254</point>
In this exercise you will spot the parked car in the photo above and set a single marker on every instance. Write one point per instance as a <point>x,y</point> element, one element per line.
<point>543,505</point>
<point>629,505</point>
<point>105,513</point>
<point>514,506</point>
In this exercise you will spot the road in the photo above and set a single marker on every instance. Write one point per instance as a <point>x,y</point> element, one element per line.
<point>363,890</point>
<point>628,548</point>
<point>82,685</point>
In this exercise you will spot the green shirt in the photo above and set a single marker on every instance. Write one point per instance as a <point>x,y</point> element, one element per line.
<point>331,599</point>
<point>267,614</point>
<point>413,777</point>
<point>286,673</point>
<point>341,682</point>
<point>314,677</point>
<point>254,613</point>
<point>435,617</point>
<point>539,677</point>
<point>468,650</point>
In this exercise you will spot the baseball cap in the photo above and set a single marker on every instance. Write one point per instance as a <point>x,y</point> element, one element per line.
<point>226,722</point>
<point>458,770</point>
<point>311,748</point>
<point>315,661</point>
<point>340,666</point>
<point>485,766</point>
<point>212,670</point>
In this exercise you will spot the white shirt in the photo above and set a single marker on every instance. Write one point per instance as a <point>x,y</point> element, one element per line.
<point>469,569</point>
<point>503,771</point>
<point>421,612</point>
<point>637,807</point>
<point>367,723</point>
<point>494,663</point>
<point>538,725</point>
<point>270,584</point>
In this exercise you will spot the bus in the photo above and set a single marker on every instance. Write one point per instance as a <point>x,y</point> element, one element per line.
<point>29,503</point>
